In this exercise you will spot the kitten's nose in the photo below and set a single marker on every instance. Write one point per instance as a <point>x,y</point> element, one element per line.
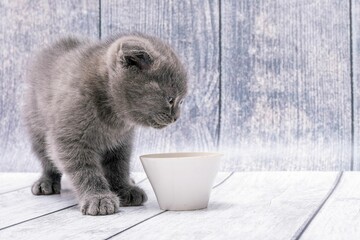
<point>175,115</point>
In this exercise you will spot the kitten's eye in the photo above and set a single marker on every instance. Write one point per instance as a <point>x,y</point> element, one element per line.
<point>170,100</point>
<point>181,102</point>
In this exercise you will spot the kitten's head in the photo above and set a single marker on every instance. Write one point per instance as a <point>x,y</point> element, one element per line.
<point>148,82</point>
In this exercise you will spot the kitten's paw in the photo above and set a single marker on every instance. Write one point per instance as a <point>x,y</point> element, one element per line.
<point>46,186</point>
<point>132,196</point>
<point>100,204</point>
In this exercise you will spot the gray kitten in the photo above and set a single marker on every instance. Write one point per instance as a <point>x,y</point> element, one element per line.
<point>82,103</point>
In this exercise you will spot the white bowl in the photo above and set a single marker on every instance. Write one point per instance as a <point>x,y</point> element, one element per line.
<point>182,181</point>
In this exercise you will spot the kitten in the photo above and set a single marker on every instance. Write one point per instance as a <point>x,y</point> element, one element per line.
<point>83,102</point>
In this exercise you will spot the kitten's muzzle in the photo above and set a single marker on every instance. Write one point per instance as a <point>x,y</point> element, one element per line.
<point>154,124</point>
<point>164,119</point>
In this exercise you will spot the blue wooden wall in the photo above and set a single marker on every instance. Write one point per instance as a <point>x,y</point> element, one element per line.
<point>273,84</point>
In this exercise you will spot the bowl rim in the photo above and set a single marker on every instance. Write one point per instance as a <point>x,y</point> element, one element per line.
<point>168,155</point>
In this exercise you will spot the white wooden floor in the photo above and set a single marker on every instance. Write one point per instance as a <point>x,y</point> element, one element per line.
<point>243,205</point>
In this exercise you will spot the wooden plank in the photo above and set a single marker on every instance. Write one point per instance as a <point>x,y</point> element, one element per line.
<point>21,205</point>
<point>14,181</point>
<point>286,89</point>
<point>256,205</point>
<point>76,226</point>
<point>24,27</point>
<point>192,28</point>
<point>355,15</point>
<point>339,218</point>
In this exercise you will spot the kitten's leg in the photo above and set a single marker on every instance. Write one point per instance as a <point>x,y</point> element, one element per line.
<point>82,164</point>
<point>116,165</point>
<point>49,182</point>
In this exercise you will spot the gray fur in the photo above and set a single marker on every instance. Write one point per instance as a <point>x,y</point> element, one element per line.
<point>82,103</point>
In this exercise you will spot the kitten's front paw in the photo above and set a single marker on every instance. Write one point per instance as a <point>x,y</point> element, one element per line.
<point>46,186</point>
<point>132,196</point>
<point>99,204</point>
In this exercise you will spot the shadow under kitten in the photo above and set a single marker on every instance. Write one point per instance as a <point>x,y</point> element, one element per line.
<point>82,102</point>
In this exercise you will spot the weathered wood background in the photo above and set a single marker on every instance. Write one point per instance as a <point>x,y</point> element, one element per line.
<point>274,84</point>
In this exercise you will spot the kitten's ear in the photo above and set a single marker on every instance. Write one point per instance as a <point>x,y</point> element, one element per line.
<point>133,54</point>
<point>139,59</point>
